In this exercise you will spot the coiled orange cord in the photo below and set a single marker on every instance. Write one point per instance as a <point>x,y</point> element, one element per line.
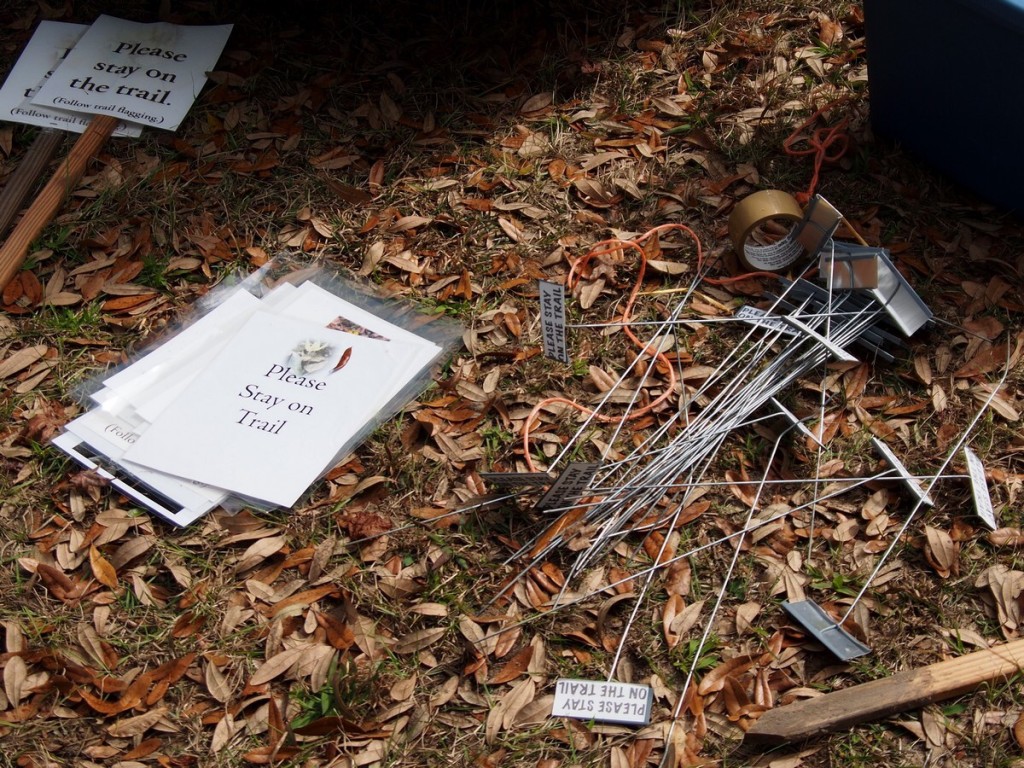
<point>598,249</point>
<point>609,246</point>
<point>820,141</point>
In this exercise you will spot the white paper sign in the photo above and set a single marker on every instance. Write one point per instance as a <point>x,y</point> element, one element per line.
<point>267,416</point>
<point>623,703</point>
<point>50,44</point>
<point>143,73</point>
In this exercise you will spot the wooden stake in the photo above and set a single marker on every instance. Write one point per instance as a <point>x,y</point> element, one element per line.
<point>881,698</point>
<point>24,177</point>
<point>53,195</point>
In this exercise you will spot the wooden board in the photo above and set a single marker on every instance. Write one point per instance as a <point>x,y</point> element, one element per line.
<point>28,172</point>
<point>879,699</point>
<point>53,195</point>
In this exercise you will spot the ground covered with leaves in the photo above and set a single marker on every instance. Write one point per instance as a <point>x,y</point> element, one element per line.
<point>452,154</point>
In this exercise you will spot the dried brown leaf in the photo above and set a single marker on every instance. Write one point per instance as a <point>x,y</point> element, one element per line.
<point>589,292</point>
<point>595,194</point>
<point>672,608</point>
<point>1006,587</point>
<point>602,380</point>
<point>22,359</point>
<point>934,726</point>
<point>513,229</point>
<point>1006,537</point>
<point>986,360</point>
<point>389,109</point>
<point>276,665</point>
<point>438,610</point>
<point>15,675</point>
<point>102,569</point>
<point>503,714</point>
<point>923,368</point>
<point>376,177</point>
<point>417,641</point>
<point>514,701</point>
<point>138,725</point>
<point>485,641</point>
<point>506,639</point>
<point>513,668</point>
<point>829,31</point>
<point>686,619</point>
<point>216,682</point>
<point>445,692</point>
<point>941,552</point>
<point>715,679</point>
<point>537,102</point>
<point>998,399</point>
<point>259,551</point>
<point>403,689</point>
<point>225,731</point>
<point>668,267</point>
<point>406,223</point>
<point>745,615</point>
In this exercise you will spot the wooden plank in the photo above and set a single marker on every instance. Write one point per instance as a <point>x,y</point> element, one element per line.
<point>28,172</point>
<point>879,699</point>
<point>53,195</point>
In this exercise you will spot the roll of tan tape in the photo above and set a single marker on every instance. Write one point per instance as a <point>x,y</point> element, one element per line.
<point>752,213</point>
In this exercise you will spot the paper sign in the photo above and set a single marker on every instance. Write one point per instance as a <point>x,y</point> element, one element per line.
<point>570,485</point>
<point>51,42</point>
<point>142,73</point>
<point>112,434</point>
<point>623,703</point>
<point>267,416</point>
<point>552,320</point>
<point>979,488</point>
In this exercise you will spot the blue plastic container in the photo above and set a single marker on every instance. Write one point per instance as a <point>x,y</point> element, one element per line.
<point>945,80</point>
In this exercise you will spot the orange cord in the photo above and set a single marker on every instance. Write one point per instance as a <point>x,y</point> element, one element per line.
<point>820,142</point>
<point>602,247</point>
<point>609,246</point>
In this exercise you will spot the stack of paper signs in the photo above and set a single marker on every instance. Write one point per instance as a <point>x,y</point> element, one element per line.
<point>257,399</point>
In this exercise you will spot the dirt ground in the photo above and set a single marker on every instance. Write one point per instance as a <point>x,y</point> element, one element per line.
<point>450,155</point>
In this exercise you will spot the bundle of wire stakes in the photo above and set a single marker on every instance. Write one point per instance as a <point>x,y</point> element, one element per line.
<point>651,486</point>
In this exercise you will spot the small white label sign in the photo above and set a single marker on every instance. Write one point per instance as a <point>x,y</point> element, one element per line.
<point>759,317</point>
<point>552,320</point>
<point>979,487</point>
<point>909,481</point>
<point>622,703</point>
<point>569,486</point>
<point>775,256</point>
